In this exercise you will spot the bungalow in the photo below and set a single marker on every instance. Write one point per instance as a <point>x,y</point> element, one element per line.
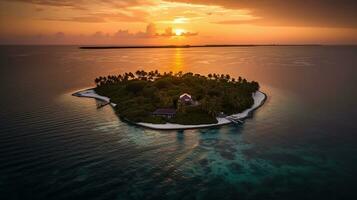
<point>164,112</point>
<point>186,99</point>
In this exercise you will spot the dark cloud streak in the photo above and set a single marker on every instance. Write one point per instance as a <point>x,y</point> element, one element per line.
<point>75,4</point>
<point>83,4</point>
<point>83,19</point>
<point>126,10</point>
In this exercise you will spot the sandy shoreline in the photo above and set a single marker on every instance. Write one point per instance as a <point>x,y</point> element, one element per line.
<point>259,99</point>
<point>90,93</point>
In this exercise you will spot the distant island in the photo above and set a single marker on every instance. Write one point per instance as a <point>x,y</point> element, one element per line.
<point>191,46</point>
<point>177,100</point>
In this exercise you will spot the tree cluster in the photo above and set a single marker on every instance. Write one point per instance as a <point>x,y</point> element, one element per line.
<point>139,94</point>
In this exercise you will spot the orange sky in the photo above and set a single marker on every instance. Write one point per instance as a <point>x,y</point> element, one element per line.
<point>166,22</point>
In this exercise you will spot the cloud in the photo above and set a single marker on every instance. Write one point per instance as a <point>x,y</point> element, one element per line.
<point>152,32</point>
<point>123,34</point>
<point>321,13</point>
<point>38,9</point>
<point>105,17</point>
<point>316,13</point>
<point>86,19</point>
<point>187,34</point>
<point>169,32</point>
<point>238,21</point>
<point>99,37</point>
<point>85,4</point>
<point>64,3</point>
<point>128,15</point>
<point>94,11</point>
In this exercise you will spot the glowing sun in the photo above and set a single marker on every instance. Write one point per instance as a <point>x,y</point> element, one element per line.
<point>179,32</point>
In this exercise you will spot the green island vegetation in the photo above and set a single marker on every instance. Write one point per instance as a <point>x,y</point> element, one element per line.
<point>182,98</point>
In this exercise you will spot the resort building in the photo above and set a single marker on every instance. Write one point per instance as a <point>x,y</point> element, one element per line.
<point>186,99</point>
<point>164,112</point>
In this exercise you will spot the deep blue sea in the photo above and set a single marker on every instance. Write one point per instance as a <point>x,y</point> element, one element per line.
<point>301,144</point>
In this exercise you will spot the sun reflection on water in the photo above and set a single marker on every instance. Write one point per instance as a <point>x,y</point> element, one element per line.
<point>177,60</point>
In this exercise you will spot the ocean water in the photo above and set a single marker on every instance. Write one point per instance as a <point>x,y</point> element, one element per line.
<point>301,144</point>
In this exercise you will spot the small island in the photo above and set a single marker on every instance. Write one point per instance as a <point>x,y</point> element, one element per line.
<point>177,100</point>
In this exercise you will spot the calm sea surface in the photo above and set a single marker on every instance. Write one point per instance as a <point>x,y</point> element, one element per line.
<point>302,144</point>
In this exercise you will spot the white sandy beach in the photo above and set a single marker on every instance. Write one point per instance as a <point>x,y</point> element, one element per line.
<point>258,97</point>
<point>90,93</point>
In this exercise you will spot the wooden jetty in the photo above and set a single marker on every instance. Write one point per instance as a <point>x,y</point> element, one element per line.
<point>235,120</point>
<point>101,104</point>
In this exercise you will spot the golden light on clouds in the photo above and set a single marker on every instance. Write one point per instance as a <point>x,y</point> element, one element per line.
<point>180,20</point>
<point>175,21</point>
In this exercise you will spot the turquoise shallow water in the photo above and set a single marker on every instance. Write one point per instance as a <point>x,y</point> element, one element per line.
<point>301,144</point>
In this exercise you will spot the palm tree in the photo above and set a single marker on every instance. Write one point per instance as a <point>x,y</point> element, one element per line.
<point>96,81</point>
<point>215,76</point>
<point>131,75</point>
<point>104,80</point>
<point>100,80</point>
<point>239,79</point>
<point>138,73</point>
<point>120,78</point>
<point>126,76</point>
<point>209,76</point>
<point>222,76</point>
<point>143,73</point>
<point>151,75</point>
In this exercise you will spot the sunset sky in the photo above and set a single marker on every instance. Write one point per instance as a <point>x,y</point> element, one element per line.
<point>178,22</point>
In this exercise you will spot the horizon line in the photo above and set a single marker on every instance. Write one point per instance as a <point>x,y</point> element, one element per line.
<point>101,46</point>
<point>202,46</point>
